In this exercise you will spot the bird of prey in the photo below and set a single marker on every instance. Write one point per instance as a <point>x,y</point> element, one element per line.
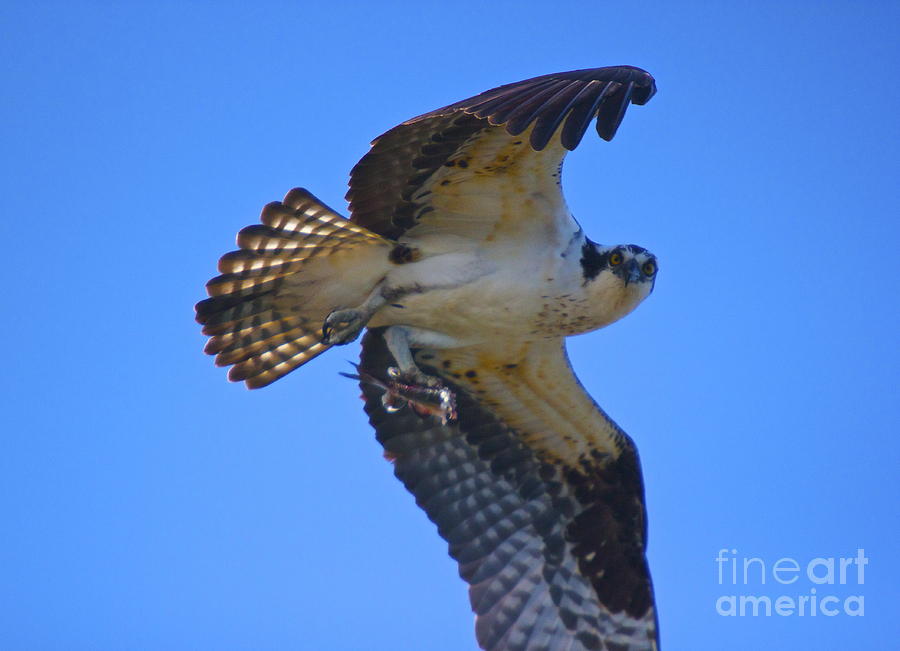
<point>463,262</point>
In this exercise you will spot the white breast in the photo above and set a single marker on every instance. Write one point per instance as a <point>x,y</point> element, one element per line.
<point>486,294</point>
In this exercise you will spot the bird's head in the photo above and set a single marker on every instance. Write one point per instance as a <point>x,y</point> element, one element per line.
<point>617,277</point>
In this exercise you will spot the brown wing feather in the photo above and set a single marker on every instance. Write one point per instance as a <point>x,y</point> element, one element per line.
<point>386,186</point>
<point>256,318</point>
<point>552,545</point>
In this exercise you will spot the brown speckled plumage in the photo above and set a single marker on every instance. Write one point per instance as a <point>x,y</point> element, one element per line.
<point>459,235</point>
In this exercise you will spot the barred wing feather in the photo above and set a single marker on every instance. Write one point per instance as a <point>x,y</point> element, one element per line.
<point>551,537</point>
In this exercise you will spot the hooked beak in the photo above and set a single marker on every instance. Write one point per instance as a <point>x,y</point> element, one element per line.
<point>631,273</point>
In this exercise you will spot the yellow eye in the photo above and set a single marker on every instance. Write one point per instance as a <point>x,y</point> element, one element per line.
<point>649,268</point>
<point>615,259</point>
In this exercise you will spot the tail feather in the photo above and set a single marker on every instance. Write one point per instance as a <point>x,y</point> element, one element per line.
<point>235,307</point>
<point>236,316</point>
<point>231,349</point>
<point>250,263</point>
<point>266,309</point>
<point>242,335</point>
<point>243,286</point>
<point>266,367</point>
<point>219,325</point>
<point>299,209</point>
<point>288,245</point>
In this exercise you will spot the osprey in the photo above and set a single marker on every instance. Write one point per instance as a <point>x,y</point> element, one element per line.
<point>464,263</point>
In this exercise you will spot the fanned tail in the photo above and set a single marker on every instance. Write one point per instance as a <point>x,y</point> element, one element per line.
<point>266,309</point>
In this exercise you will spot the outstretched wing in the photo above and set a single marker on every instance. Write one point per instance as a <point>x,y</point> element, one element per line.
<point>467,168</point>
<point>538,493</point>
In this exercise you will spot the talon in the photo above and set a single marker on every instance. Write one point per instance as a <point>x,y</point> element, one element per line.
<point>343,326</point>
<point>425,394</point>
<point>414,378</point>
<point>392,403</point>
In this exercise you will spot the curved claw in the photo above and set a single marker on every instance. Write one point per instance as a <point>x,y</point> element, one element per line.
<point>343,326</point>
<point>428,398</point>
<point>425,394</point>
<point>416,378</point>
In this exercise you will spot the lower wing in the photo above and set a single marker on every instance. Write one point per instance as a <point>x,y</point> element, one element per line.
<point>537,492</point>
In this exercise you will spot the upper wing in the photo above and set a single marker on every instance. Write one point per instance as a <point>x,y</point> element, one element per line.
<point>462,168</point>
<point>537,492</point>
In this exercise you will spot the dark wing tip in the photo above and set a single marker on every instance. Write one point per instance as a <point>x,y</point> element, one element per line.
<point>576,97</point>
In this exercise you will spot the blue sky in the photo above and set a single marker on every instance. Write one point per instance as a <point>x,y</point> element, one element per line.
<point>148,504</point>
